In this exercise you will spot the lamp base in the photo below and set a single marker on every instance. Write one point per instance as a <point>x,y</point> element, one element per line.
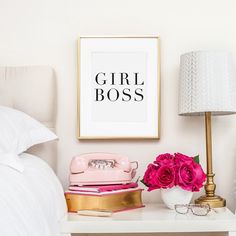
<point>214,202</point>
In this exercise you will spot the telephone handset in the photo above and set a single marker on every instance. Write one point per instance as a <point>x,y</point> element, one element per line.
<point>101,168</point>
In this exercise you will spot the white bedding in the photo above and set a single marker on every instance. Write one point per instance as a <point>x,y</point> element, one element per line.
<point>32,202</point>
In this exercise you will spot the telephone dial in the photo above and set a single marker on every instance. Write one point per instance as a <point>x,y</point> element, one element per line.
<point>101,168</point>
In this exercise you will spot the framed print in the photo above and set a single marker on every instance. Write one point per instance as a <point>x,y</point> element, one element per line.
<point>118,87</point>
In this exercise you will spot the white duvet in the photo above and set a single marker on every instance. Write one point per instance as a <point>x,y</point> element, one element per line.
<point>32,202</point>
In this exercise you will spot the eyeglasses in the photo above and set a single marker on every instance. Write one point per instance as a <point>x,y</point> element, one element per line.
<point>197,209</point>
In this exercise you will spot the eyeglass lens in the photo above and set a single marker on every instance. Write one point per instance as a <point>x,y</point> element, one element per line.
<point>199,210</point>
<point>182,209</point>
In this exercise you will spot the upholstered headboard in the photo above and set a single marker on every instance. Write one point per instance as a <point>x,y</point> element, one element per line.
<point>32,89</point>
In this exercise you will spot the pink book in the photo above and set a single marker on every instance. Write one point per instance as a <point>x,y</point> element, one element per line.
<point>102,188</point>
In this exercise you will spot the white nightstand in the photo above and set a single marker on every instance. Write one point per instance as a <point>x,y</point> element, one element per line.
<point>153,218</point>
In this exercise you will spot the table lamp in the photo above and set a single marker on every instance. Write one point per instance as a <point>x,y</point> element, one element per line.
<point>207,87</point>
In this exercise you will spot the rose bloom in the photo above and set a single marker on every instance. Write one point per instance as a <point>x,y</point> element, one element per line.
<point>150,176</point>
<point>181,158</point>
<point>169,170</point>
<point>185,176</point>
<point>165,159</point>
<point>190,177</point>
<point>165,177</point>
<point>200,177</point>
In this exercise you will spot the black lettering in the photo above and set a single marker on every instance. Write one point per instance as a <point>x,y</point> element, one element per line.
<point>139,94</point>
<point>124,76</point>
<point>136,79</point>
<point>112,78</point>
<point>99,92</point>
<point>126,94</point>
<point>103,81</point>
<point>116,95</point>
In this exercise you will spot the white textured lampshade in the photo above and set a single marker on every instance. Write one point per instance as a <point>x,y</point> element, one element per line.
<point>207,83</point>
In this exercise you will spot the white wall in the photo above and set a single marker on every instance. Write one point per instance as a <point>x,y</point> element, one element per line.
<point>45,32</point>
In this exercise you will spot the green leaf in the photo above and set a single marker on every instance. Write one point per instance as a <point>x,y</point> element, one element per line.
<point>196,159</point>
<point>142,181</point>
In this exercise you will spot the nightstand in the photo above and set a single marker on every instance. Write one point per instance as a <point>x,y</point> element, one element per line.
<point>153,218</point>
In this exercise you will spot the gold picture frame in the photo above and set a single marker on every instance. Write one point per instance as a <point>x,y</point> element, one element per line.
<point>82,135</point>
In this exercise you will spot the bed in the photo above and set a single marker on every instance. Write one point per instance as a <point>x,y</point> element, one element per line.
<point>31,202</point>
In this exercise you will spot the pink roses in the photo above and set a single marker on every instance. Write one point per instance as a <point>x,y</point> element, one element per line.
<point>171,170</point>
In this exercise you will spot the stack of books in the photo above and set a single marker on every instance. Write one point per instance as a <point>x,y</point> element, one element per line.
<point>114,198</point>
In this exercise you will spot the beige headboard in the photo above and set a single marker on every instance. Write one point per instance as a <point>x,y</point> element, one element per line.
<point>32,89</point>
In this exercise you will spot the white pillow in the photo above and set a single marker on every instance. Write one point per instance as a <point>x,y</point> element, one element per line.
<point>18,132</point>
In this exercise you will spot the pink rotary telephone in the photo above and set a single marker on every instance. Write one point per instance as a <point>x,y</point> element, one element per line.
<point>100,169</point>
